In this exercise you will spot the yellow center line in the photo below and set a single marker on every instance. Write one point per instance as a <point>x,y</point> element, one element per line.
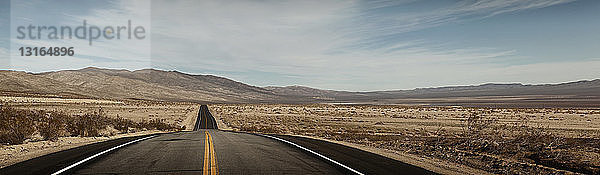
<point>210,159</point>
<point>205,120</point>
<point>214,170</point>
<point>206,154</point>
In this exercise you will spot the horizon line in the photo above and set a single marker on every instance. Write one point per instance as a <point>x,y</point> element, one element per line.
<point>305,86</point>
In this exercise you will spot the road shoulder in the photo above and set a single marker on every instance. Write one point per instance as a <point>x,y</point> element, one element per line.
<point>431,164</point>
<point>48,160</point>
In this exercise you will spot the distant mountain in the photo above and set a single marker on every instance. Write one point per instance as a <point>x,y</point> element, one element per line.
<point>147,84</point>
<point>151,84</point>
<point>302,91</point>
<point>579,88</point>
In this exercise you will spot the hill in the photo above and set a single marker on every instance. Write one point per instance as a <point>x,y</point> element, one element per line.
<point>159,85</point>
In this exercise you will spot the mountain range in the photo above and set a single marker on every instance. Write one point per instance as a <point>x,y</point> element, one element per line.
<point>159,85</point>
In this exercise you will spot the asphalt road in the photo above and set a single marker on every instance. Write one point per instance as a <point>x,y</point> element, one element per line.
<point>212,151</point>
<point>363,161</point>
<point>51,163</point>
<point>184,153</point>
<point>205,119</point>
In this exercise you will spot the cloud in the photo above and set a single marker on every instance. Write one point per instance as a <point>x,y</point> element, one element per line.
<point>4,59</point>
<point>371,25</point>
<point>3,51</point>
<point>325,44</point>
<point>116,53</point>
<point>345,45</point>
<point>251,34</point>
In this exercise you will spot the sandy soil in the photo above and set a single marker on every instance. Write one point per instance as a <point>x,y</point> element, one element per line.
<point>182,114</point>
<point>442,139</point>
<point>448,140</point>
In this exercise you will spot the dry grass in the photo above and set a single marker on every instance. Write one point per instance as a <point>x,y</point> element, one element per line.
<point>18,125</point>
<point>502,141</point>
<point>178,113</point>
<point>47,124</point>
<point>15,126</point>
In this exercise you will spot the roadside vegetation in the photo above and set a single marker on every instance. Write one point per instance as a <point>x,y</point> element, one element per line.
<point>499,141</point>
<point>19,125</point>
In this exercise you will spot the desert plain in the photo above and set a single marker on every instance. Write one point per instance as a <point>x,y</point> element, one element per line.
<point>444,139</point>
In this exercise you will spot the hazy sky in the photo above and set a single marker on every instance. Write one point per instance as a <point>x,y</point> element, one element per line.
<point>343,45</point>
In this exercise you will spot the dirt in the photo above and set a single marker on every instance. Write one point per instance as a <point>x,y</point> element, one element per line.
<point>447,140</point>
<point>495,140</point>
<point>183,114</point>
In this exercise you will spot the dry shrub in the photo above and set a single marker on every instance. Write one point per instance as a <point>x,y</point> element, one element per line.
<point>123,125</point>
<point>52,125</point>
<point>15,125</point>
<point>87,125</point>
<point>536,145</point>
<point>158,124</point>
<point>486,142</point>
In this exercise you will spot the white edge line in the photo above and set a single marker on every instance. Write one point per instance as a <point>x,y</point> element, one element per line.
<point>100,153</point>
<point>315,153</point>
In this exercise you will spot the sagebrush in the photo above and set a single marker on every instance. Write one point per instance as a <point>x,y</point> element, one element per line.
<point>18,125</point>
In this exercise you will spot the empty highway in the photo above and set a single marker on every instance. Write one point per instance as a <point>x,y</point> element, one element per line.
<point>207,150</point>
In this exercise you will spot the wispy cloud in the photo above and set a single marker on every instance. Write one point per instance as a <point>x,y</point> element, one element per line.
<point>347,45</point>
<point>4,59</point>
<point>123,53</point>
<point>375,21</point>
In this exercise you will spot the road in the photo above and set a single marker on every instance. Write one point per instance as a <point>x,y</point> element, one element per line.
<point>205,119</point>
<point>212,151</point>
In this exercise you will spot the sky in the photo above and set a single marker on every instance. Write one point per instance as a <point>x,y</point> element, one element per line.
<point>342,45</point>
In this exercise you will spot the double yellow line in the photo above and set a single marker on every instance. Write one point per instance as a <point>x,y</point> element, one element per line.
<point>210,160</point>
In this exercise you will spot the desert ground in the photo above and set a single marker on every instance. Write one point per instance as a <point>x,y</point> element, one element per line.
<point>181,115</point>
<point>448,140</point>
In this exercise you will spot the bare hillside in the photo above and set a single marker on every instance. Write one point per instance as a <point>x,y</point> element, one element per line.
<point>145,84</point>
<point>151,84</point>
